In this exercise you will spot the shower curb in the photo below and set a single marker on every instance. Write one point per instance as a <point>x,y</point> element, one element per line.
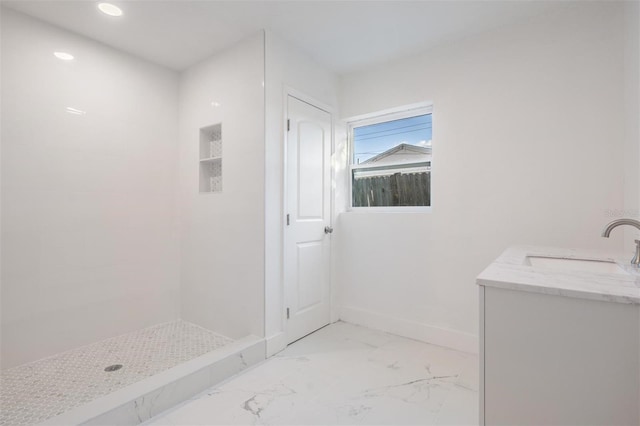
<point>147,398</point>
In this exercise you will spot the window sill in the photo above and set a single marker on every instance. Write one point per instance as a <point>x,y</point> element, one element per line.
<point>375,210</point>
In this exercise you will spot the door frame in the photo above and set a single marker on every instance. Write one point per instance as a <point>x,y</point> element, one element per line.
<point>290,91</point>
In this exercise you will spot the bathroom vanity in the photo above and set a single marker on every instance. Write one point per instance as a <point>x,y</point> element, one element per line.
<point>559,339</point>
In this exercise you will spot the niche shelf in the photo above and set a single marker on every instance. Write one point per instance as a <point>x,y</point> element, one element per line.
<point>211,158</point>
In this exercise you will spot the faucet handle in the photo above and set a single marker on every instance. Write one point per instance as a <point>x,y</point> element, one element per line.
<point>636,258</point>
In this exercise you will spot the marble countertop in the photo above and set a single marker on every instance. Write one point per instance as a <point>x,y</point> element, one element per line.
<point>512,271</point>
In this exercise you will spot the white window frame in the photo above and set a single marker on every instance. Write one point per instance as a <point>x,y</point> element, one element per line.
<point>375,118</point>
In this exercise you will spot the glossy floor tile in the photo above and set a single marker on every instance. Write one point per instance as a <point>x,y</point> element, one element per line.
<point>343,375</point>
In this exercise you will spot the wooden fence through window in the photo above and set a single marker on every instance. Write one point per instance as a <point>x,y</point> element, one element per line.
<point>399,189</point>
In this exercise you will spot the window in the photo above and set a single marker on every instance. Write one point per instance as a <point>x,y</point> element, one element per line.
<point>391,160</point>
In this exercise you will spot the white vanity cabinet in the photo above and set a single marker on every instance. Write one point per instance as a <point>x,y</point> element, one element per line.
<point>558,347</point>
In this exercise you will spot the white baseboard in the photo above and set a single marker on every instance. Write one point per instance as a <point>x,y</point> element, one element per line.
<point>414,330</point>
<point>276,343</point>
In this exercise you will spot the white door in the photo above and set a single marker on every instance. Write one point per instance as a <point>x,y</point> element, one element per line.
<point>308,209</point>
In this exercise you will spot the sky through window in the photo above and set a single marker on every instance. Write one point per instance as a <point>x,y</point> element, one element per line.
<point>373,139</point>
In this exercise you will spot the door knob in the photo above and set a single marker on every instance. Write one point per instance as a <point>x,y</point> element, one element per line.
<point>328,229</point>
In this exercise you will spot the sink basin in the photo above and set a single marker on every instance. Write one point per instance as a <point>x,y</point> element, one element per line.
<point>583,265</point>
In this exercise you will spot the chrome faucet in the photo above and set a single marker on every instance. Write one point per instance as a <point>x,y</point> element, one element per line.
<point>631,222</point>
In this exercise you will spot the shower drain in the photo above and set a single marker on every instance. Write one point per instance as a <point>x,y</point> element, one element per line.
<point>114,367</point>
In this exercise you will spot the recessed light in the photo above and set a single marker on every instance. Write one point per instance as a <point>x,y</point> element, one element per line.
<point>75,111</point>
<point>63,55</point>
<point>110,9</point>
<point>215,104</point>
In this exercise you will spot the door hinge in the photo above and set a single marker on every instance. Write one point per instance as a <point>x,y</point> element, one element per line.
<point>287,313</point>
<point>288,124</point>
<point>288,219</point>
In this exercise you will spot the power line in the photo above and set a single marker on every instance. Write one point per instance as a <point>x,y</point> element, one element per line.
<point>393,129</point>
<point>392,134</point>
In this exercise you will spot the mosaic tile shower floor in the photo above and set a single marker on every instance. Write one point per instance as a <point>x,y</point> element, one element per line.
<point>34,392</point>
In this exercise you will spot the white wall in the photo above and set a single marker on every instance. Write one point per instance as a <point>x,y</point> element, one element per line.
<point>89,245</point>
<point>528,149</point>
<point>286,67</point>
<point>222,234</point>
<point>632,121</point>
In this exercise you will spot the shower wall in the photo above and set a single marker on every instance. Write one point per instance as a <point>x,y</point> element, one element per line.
<point>222,232</point>
<point>89,218</point>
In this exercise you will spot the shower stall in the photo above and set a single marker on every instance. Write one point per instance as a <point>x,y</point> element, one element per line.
<point>132,225</point>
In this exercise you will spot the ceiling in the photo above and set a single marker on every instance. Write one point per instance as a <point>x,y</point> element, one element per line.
<point>344,35</point>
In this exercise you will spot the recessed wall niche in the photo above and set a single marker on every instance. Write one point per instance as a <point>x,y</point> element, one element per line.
<point>211,158</point>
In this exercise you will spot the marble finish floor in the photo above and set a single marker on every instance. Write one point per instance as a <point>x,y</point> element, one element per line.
<point>343,375</point>
<point>34,392</point>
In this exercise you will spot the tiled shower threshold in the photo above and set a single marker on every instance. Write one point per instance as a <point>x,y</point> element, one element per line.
<point>162,366</point>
